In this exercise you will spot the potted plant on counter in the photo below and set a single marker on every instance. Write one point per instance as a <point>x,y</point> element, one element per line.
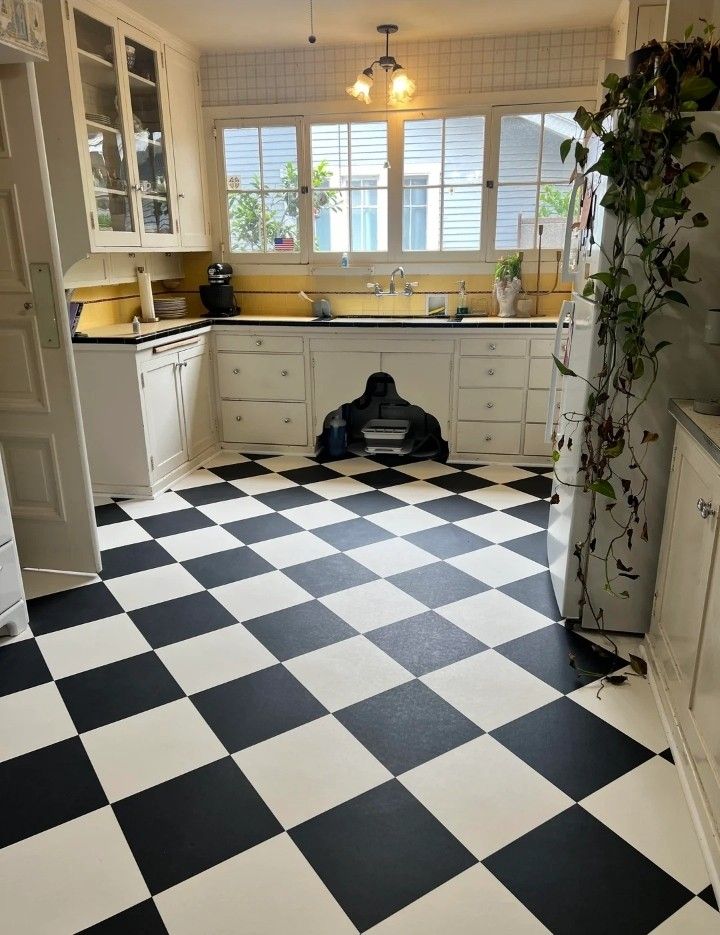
<point>508,284</point>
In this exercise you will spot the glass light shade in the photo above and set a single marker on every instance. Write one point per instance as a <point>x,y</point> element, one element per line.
<point>402,87</point>
<point>362,87</point>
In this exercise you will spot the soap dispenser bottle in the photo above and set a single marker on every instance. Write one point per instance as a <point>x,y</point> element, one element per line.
<point>462,306</point>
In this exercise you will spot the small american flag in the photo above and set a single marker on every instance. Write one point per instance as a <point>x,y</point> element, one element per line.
<point>285,243</point>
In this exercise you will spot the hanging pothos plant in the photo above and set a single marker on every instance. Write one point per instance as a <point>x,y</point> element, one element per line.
<point>642,130</point>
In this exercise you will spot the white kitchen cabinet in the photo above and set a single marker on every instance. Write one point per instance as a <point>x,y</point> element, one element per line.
<point>13,608</point>
<point>423,380</point>
<point>197,400</point>
<point>340,377</point>
<point>183,81</point>
<point>164,417</point>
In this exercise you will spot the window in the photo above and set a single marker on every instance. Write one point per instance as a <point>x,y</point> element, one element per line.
<point>533,186</point>
<point>349,165</point>
<point>449,154</point>
<point>261,187</point>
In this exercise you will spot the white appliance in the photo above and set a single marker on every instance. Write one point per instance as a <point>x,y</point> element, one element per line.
<point>13,609</point>
<point>689,369</point>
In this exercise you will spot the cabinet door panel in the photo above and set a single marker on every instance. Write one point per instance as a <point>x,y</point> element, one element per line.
<point>164,416</point>
<point>261,376</point>
<point>423,380</point>
<point>340,378</point>
<point>706,696</point>
<point>197,400</point>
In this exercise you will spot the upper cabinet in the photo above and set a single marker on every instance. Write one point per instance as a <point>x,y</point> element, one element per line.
<point>133,100</point>
<point>22,31</point>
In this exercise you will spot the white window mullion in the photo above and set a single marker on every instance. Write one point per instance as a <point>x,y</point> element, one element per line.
<point>441,231</point>
<point>305,218</point>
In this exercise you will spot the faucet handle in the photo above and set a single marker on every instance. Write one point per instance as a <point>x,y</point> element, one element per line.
<point>410,287</point>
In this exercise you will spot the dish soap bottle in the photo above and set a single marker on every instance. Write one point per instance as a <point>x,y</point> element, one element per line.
<point>462,306</point>
<point>344,261</point>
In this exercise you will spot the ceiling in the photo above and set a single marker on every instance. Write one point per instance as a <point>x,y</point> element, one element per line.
<point>251,24</point>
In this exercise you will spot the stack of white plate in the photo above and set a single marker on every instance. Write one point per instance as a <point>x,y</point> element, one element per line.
<point>175,307</point>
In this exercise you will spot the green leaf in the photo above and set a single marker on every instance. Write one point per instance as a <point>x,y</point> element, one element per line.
<point>614,451</point>
<point>667,208</point>
<point>583,118</point>
<point>556,456</point>
<point>697,170</point>
<point>565,371</point>
<point>607,279</point>
<point>611,81</point>
<point>682,260</point>
<point>672,295</point>
<point>629,291</point>
<point>588,289</point>
<point>700,220</point>
<point>604,488</point>
<point>565,149</point>
<point>637,203</point>
<point>648,437</point>
<point>660,345</point>
<point>652,121</point>
<point>638,664</point>
<point>696,87</point>
<point>710,139</point>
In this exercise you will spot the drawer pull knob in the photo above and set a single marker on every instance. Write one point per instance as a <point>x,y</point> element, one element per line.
<point>283,373</point>
<point>493,347</point>
<point>705,508</point>
<point>491,372</point>
<point>236,370</point>
<point>238,418</point>
<point>258,343</point>
<point>488,438</point>
<point>490,405</point>
<point>287,419</point>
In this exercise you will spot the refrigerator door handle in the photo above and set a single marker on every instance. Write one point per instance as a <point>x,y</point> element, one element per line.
<point>567,273</point>
<point>566,313</point>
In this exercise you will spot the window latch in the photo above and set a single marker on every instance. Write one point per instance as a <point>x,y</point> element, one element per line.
<point>489,183</point>
<point>304,189</point>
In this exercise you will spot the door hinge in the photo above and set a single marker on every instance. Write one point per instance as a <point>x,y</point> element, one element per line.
<point>67,10</point>
<point>214,133</point>
<point>162,59</point>
<point>142,380</point>
<point>152,463</point>
<point>197,78</point>
<point>92,220</point>
<point>672,463</point>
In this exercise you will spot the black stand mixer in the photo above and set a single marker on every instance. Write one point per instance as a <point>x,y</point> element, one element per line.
<point>218,296</point>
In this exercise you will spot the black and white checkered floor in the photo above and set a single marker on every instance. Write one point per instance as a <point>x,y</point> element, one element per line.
<point>321,698</point>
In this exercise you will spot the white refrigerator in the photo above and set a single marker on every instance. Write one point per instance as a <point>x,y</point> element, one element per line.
<point>689,368</point>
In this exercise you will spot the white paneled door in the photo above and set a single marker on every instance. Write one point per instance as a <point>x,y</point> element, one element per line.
<point>40,425</point>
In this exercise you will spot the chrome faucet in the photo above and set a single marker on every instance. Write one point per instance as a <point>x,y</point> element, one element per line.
<point>398,269</point>
<point>408,287</point>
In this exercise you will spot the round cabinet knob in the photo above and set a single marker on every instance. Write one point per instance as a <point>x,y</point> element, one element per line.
<point>492,347</point>
<point>258,343</point>
<point>491,372</point>
<point>705,508</point>
<point>490,405</point>
<point>181,194</point>
<point>287,419</point>
<point>283,373</point>
<point>238,418</point>
<point>236,370</point>
<point>488,438</point>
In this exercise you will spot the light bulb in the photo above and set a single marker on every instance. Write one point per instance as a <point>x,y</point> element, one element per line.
<point>362,87</point>
<point>402,87</point>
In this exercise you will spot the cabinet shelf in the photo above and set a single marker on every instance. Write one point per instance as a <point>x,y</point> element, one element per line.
<point>103,127</point>
<point>110,191</point>
<point>138,79</point>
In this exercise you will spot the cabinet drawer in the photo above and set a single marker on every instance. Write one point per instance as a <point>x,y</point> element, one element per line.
<point>537,406</point>
<point>264,423</point>
<point>542,347</point>
<point>489,437</point>
<point>11,589</point>
<point>502,347</point>
<point>484,371</point>
<point>540,370</point>
<point>491,405</point>
<point>261,376</point>
<point>259,343</point>
<point>535,443</point>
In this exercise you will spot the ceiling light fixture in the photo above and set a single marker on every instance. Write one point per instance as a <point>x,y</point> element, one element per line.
<point>401,87</point>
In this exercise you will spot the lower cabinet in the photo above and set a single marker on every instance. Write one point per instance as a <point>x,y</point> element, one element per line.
<point>258,423</point>
<point>164,418</point>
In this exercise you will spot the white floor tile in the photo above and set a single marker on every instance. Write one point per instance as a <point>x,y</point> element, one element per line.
<point>306,771</point>
<point>496,566</point>
<point>405,519</point>
<point>263,483</point>
<point>695,918</point>
<point>391,556</point>
<point>38,583</point>
<point>417,491</point>
<point>485,795</point>
<point>214,658</point>
<point>424,469</point>
<point>500,473</point>
<point>144,588</point>
<point>499,497</point>
<point>138,752</point>
<point>489,689</point>
<point>260,595</point>
<point>498,527</point>
<point>68,878</point>
<point>493,617</point>
<point>32,719</point>
<point>93,644</point>
<point>230,511</point>
<point>199,478</point>
<point>277,463</point>
<point>338,487</point>
<point>354,466</point>
<point>267,890</point>
<point>115,535</point>
<point>186,545</point>
<point>472,903</point>
<point>373,605</point>
<point>315,515</point>
<point>293,550</point>
<point>164,503</point>
<point>647,808</point>
<point>346,672</point>
<point>223,458</point>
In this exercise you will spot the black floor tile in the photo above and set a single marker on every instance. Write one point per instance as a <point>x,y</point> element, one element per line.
<point>352,534</point>
<point>142,919</point>
<point>329,574</point>
<point>177,521</point>
<point>45,788</point>
<point>386,477</point>
<point>240,470</point>
<point>407,726</point>
<point>22,666</point>
<point>127,559</point>
<point>533,547</point>
<point>575,750</point>
<point>118,690</point>
<point>536,512</point>
<point>69,608</point>
<point>210,493</point>
<point>546,653</point>
<point>379,852</point>
<point>110,513</point>
<point>256,707</point>
<point>438,584</point>
<point>188,824</point>
<point>708,896</point>
<point>310,475</point>
<point>576,875</point>
<point>447,541</point>
<point>261,528</point>
<point>535,592</point>
<point>289,498</point>
<point>540,485</point>
<point>462,482</point>
<point>425,643</point>
<point>223,567</point>
<point>667,755</point>
<point>372,501</point>
<point>298,630</point>
<point>454,508</point>
<point>180,619</point>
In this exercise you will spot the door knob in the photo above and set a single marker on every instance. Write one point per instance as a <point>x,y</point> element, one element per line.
<point>488,438</point>
<point>238,418</point>
<point>490,405</point>
<point>493,347</point>
<point>287,419</point>
<point>705,508</point>
<point>258,343</point>
<point>491,372</point>
<point>283,373</point>
<point>181,194</point>
<point>236,370</point>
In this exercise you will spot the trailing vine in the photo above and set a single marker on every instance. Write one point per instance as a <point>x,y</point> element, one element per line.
<point>637,141</point>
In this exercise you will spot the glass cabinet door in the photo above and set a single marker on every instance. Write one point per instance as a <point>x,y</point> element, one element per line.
<point>150,149</point>
<point>97,50</point>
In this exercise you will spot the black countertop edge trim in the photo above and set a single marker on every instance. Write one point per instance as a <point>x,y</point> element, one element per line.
<point>705,442</point>
<point>322,325</point>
